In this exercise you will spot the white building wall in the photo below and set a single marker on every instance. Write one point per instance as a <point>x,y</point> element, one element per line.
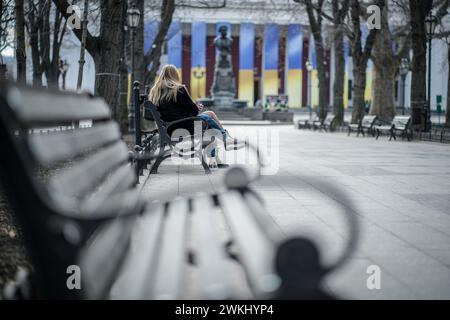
<point>439,72</point>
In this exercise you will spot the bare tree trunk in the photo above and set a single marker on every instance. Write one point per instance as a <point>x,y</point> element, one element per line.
<point>339,77</point>
<point>52,71</point>
<point>323,83</point>
<point>385,69</point>
<point>339,14</point>
<point>315,22</point>
<point>108,53</point>
<point>360,56</point>
<point>383,82</point>
<point>106,49</point>
<point>21,57</point>
<point>418,11</point>
<point>33,29</point>
<point>83,45</point>
<point>359,88</point>
<point>139,47</point>
<point>153,57</point>
<point>447,111</point>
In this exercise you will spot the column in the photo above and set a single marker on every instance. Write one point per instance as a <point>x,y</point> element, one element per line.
<point>294,65</point>
<point>270,61</point>
<point>246,62</point>
<point>198,60</point>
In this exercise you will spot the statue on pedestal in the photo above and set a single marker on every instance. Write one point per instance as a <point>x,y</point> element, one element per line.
<point>223,88</point>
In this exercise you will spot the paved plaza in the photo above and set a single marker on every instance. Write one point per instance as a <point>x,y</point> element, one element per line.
<point>400,191</point>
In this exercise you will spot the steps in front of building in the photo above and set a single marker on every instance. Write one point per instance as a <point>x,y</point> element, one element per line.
<point>231,115</point>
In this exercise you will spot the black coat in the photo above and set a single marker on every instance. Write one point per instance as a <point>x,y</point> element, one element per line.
<point>183,107</point>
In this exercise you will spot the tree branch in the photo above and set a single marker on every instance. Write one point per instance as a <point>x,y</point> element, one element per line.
<point>92,43</point>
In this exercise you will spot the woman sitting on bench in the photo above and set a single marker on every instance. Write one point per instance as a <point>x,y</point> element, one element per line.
<point>173,101</point>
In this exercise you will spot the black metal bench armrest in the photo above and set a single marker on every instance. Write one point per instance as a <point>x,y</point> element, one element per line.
<point>169,124</point>
<point>149,131</point>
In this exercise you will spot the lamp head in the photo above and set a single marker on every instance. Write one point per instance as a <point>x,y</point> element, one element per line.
<point>431,23</point>
<point>133,15</point>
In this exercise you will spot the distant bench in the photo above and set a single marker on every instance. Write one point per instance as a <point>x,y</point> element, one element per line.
<point>326,124</point>
<point>400,124</point>
<point>366,124</point>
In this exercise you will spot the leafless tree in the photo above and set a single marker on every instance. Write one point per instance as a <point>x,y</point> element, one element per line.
<point>315,15</point>
<point>340,9</point>
<point>106,47</point>
<point>419,10</point>
<point>46,28</point>
<point>360,56</point>
<point>20,42</point>
<point>6,24</point>
<point>386,58</point>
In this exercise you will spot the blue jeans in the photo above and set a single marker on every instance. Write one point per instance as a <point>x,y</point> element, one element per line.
<point>212,122</point>
<point>213,125</point>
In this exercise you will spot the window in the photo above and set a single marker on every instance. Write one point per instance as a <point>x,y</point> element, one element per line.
<point>350,89</point>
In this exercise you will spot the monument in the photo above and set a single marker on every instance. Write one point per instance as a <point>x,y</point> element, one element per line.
<point>223,88</point>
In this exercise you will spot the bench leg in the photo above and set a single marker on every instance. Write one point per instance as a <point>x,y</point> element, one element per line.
<point>392,135</point>
<point>204,164</point>
<point>349,131</point>
<point>159,160</point>
<point>378,134</point>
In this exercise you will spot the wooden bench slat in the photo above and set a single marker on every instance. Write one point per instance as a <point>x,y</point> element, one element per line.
<point>121,179</point>
<point>102,257</point>
<point>54,147</point>
<point>84,176</point>
<point>37,107</point>
<point>137,272</point>
<point>209,251</point>
<point>171,260</point>
<point>256,251</point>
<point>123,203</point>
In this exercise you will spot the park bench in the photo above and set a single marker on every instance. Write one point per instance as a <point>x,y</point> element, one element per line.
<point>367,123</point>
<point>74,194</point>
<point>325,124</point>
<point>400,124</point>
<point>198,147</point>
<point>307,123</point>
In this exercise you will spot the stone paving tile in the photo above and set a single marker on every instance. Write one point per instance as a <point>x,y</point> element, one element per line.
<point>399,190</point>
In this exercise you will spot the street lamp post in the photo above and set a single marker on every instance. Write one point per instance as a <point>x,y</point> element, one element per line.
<point>198,75</point>
<point>63,67</point>
<point>404,70</point>
<point>133,15</point>
<point>430,23</point>
<point>309,68</point>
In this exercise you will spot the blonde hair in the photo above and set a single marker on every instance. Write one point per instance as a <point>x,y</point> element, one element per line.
<point>166,85</point>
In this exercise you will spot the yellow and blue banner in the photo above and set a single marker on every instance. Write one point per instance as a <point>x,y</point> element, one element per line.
<point>369,74</point>
<point>198,60</point>
<point>246,62</point>
<point>175,45</point>
<point>294,61</point>
<point>270,70</point>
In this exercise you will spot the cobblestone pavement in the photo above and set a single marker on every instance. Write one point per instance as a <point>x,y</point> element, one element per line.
<point>401,192</point>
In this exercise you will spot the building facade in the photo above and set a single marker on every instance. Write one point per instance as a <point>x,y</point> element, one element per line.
<point>271,46</point>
